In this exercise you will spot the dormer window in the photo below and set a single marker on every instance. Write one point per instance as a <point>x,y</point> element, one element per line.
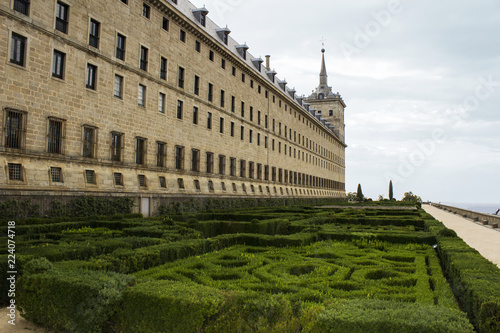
<point>282,84</point>
<point>257,62</point>
<point>223,34</point>
<point>321,96</point>
<point>242,50</point>
<point>271,74</point>
<point>201,15</point>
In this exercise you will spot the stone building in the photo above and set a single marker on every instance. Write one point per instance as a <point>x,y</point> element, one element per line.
<point>151,99</point>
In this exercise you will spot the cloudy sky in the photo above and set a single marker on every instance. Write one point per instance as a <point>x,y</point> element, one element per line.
<point>421,80</point>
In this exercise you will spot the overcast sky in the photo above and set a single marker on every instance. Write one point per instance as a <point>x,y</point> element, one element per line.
<point>421,80</point>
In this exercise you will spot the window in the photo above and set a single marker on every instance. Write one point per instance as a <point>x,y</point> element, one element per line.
<point>116,146</point>
<point>250,135</point>
<point>144,58</point>
<point>232,166</point>
<point>251,113</point>
<point>233,103</point>
<point>62,11</point>
<point>91,77</point>
<point>210,162</point>
<point>140,151</point>
<point>181,77</point>
<point>163,182</point>
<point>266,172</point>
<point>196,85</point>
<point>163,68</point>
<point>195,160</point>
<point>165,24</point>
<point>209,120</point>
<point>179,157</point>
<point>197,46</point>
<point>243,109</point>
<point>56,175</point>
<point>232,128</point>
<point>243,168</point>
<point>266,121</point>
<point>243,77</point>
<point>55,136</point>
<point>94,33</point>
<point>251,167</point>
<point>195,115</point>
<point>90,177</point>
<point>179,109</point>
<point>118,90</point>
<point>15,171</point>
<point>180,183</point>
<point>18,50</point>
<point>161,154</point>
<point>223,186</point>
<point>141,179</point>
<point>124,1</point>
<point>118,178</point>
<point>258,117</point>
<point>222,98</point>
<point>234,71</point>
<point>210,92</point>
<point>141,99</point>
<point>223,63</point>
<point>258,139</point>
<point>120,46</point>
<point>210,186</point>
<point>222,164</point>
<point>259,171</point>
<point>211,55</point>
<point>265,142</point>
<point>234,187</point>
<point>221,125</point>
<point>242,132</point>
<point>22,6</point>
<point>146,10</point>
<point>15,129</point>
<point>161,102</point>
<point>182,35</point>
<point>89,142</point>
<point>197,184</point>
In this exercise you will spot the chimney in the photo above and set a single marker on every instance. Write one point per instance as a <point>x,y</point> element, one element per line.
<point>268,62</point>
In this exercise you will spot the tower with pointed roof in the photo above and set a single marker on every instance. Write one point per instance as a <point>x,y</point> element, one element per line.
<point>327,105</point>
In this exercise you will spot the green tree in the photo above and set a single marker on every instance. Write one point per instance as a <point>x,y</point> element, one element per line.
<point>359,194</point>
<point>409,196</point>
<point>391,191</point>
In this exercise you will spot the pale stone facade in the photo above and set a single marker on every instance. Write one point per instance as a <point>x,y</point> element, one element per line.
<point>150,98</point>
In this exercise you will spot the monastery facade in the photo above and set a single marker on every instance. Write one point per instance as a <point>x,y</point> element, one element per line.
<point>151,99</point>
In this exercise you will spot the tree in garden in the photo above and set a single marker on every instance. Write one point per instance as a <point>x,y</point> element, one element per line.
<point>359,194</point>
<point>409,196</point>
<point>391,191</point>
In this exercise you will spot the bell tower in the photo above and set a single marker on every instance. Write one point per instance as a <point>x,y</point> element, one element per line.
<point>326,104</point>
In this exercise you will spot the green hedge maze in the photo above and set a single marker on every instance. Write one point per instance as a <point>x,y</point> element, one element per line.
<point>342,268</point>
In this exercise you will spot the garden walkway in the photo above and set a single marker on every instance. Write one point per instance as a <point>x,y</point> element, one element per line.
<point>485,240</point>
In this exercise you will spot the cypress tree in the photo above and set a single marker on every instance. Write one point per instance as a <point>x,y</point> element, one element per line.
<point>359,193</point>
<point>391,193</point>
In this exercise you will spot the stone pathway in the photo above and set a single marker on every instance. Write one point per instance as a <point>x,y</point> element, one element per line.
<point>485,240</point>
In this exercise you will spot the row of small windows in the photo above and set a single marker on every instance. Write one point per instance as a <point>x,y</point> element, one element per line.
<point>16,173</point>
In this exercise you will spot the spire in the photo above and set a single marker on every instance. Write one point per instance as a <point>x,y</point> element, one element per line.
<point>323,77</point>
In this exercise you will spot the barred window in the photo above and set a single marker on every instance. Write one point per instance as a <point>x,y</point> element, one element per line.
<point>15,171</point>
<point>62,11</point>
<point>163,182</point>
<point>222,164</point>
<point>56,175</point>
<point>14,129</point>
<point>118,178</point>
<point>161,154</point>
<point>94,33</point>
<point>116,146</point>
<point>90,177</point>
<point>22,6</point>
<point>210,162</point>
<point>89,142</point>
<point>179,158</point>
<point>142,180</point>
<point>120,46</point>
<point>140,151</point>
<point>195,160</point>
<point>55,136</point>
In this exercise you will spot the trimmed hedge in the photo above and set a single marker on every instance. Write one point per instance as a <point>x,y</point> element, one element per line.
<point>475,282</point>
<point>73,300</point>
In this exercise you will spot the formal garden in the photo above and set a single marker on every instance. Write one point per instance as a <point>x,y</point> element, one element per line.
<point>209,267</point>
